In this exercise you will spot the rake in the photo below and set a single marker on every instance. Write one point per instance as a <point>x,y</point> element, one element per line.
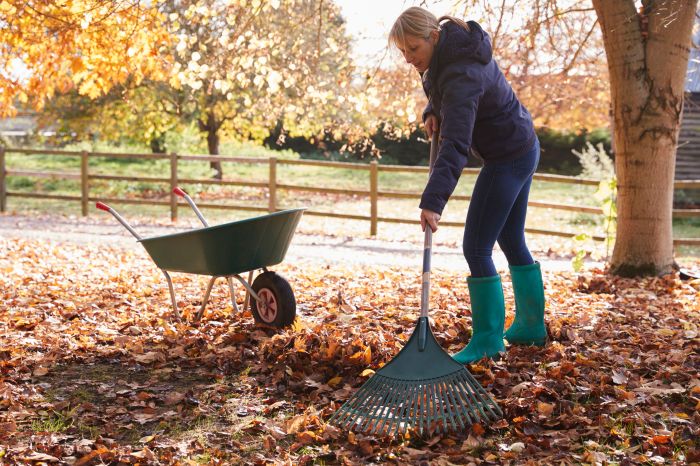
<point>422,389</point>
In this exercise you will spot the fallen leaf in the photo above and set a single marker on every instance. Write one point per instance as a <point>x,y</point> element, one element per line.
<point>545,409</point>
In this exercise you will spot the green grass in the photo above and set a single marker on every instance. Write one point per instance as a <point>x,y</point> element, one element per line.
<point>328,177</point>
<point>56,422</point>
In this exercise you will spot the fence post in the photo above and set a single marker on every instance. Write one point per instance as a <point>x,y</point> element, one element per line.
<point>3,185</point>
<point>373,196</point>
<point>84,182</point>
<point>173,185</point>
<point>272,185</point>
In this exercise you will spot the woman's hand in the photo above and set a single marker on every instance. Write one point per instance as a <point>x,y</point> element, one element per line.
<point>429,217</point>
<point>431,125</point>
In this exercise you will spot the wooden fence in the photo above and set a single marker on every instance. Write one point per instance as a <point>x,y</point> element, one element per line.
<point>374,193</point>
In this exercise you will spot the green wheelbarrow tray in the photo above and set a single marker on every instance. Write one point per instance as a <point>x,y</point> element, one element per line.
<point>226,249</point>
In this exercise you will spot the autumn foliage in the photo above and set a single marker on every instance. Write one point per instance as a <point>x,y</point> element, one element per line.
<point>90,45</point>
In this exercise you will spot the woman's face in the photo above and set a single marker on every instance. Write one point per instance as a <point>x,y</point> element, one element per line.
<point>418,51</point>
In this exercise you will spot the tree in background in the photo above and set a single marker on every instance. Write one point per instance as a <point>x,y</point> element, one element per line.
<point>90,45</point>
<point>242,66</point>
<point>552,56</point>
<point>647,51</point>
<point>140,115</point>
<point>647,56</point>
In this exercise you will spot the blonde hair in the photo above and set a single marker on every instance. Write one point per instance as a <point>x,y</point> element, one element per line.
<point>418,22</point>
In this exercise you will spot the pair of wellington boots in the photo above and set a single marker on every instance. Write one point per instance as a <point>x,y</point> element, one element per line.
<point>488,313</point>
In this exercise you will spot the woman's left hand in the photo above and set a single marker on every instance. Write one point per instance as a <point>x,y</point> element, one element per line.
<point>430,218</point>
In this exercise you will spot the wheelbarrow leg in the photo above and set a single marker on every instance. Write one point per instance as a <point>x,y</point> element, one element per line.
<point>233,295</point>
<point>172,295</point>
<point>205,300</point>
<point>248,287</point>
<point>247,293</point>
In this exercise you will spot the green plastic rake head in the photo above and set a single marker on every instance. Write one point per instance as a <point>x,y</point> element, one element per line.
<point>421,390</point>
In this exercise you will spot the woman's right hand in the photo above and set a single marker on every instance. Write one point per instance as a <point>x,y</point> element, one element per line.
<point>429,218</point>
<point>431,125</point>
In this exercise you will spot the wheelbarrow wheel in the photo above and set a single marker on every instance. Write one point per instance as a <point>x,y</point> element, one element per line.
<point>277,308</point>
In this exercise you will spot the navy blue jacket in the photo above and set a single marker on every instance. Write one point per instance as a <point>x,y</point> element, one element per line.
<point>476,107</point>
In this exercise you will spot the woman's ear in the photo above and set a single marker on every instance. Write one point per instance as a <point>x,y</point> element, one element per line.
<point>434,36</point>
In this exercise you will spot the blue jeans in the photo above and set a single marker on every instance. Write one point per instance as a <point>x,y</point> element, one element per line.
<point>497,213</point>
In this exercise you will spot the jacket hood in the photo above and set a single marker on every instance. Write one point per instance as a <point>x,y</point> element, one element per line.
<point>456,43</point>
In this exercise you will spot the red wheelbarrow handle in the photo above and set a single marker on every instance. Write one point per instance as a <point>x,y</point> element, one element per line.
<point>106,208</point>
<point>103,206</point>
<point>181,192</point>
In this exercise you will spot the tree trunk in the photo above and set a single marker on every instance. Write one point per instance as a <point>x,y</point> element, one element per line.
<point>213,146</point>
<point>647,54</point>
<point>211,128</point>
<point>158,144</point>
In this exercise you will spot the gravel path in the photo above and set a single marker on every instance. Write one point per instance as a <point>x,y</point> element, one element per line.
<point>305,249</point>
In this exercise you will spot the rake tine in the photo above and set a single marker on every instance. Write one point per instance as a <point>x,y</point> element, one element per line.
<point>390,407</point>
<point>457,401</point>
<point>461,410</point>
<point>399,407</point>
<point>414,408</point>
<point>433,421</point>
<point>447,403</point>
<point>490,401</point>
<point>377,409</point>
<point>445,387</point>
<point>465,394</point>
<point>418,409</point>
<point>476,397</point>
<point>371,407</point>
<point>394,427</point>
<point>367,401</point>
<point>485,398</point>
<point>443,406</point>
<point>362,401</point>
<point>350,409</point>
<point>439,408</point>
<point>405,409</point>
<point>344,411</point>
<point>410,408</point>
<point>476,400</point>
<point>426,409</point>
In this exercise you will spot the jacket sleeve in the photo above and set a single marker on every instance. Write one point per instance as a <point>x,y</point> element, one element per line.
<point>460,100</point>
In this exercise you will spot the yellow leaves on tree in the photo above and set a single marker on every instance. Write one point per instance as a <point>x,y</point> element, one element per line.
<point>51,47</point>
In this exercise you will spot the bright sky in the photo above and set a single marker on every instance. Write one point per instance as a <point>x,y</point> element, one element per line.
<point>369,22</point>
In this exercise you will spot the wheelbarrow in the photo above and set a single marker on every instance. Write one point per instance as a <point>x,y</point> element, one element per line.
<point>227,251</point>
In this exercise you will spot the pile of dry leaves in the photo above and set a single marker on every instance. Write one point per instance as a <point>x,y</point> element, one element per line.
<point>93,370</point>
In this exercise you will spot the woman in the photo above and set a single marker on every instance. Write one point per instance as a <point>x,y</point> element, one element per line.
<point>478,113</point>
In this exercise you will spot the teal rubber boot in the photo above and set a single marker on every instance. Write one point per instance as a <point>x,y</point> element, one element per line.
<point>488,317</point>
<point>528,327</point>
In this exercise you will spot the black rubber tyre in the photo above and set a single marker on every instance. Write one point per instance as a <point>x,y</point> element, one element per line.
<point>281,308</point>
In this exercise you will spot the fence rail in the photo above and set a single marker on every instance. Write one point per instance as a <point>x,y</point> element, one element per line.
<point>374,193</point>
